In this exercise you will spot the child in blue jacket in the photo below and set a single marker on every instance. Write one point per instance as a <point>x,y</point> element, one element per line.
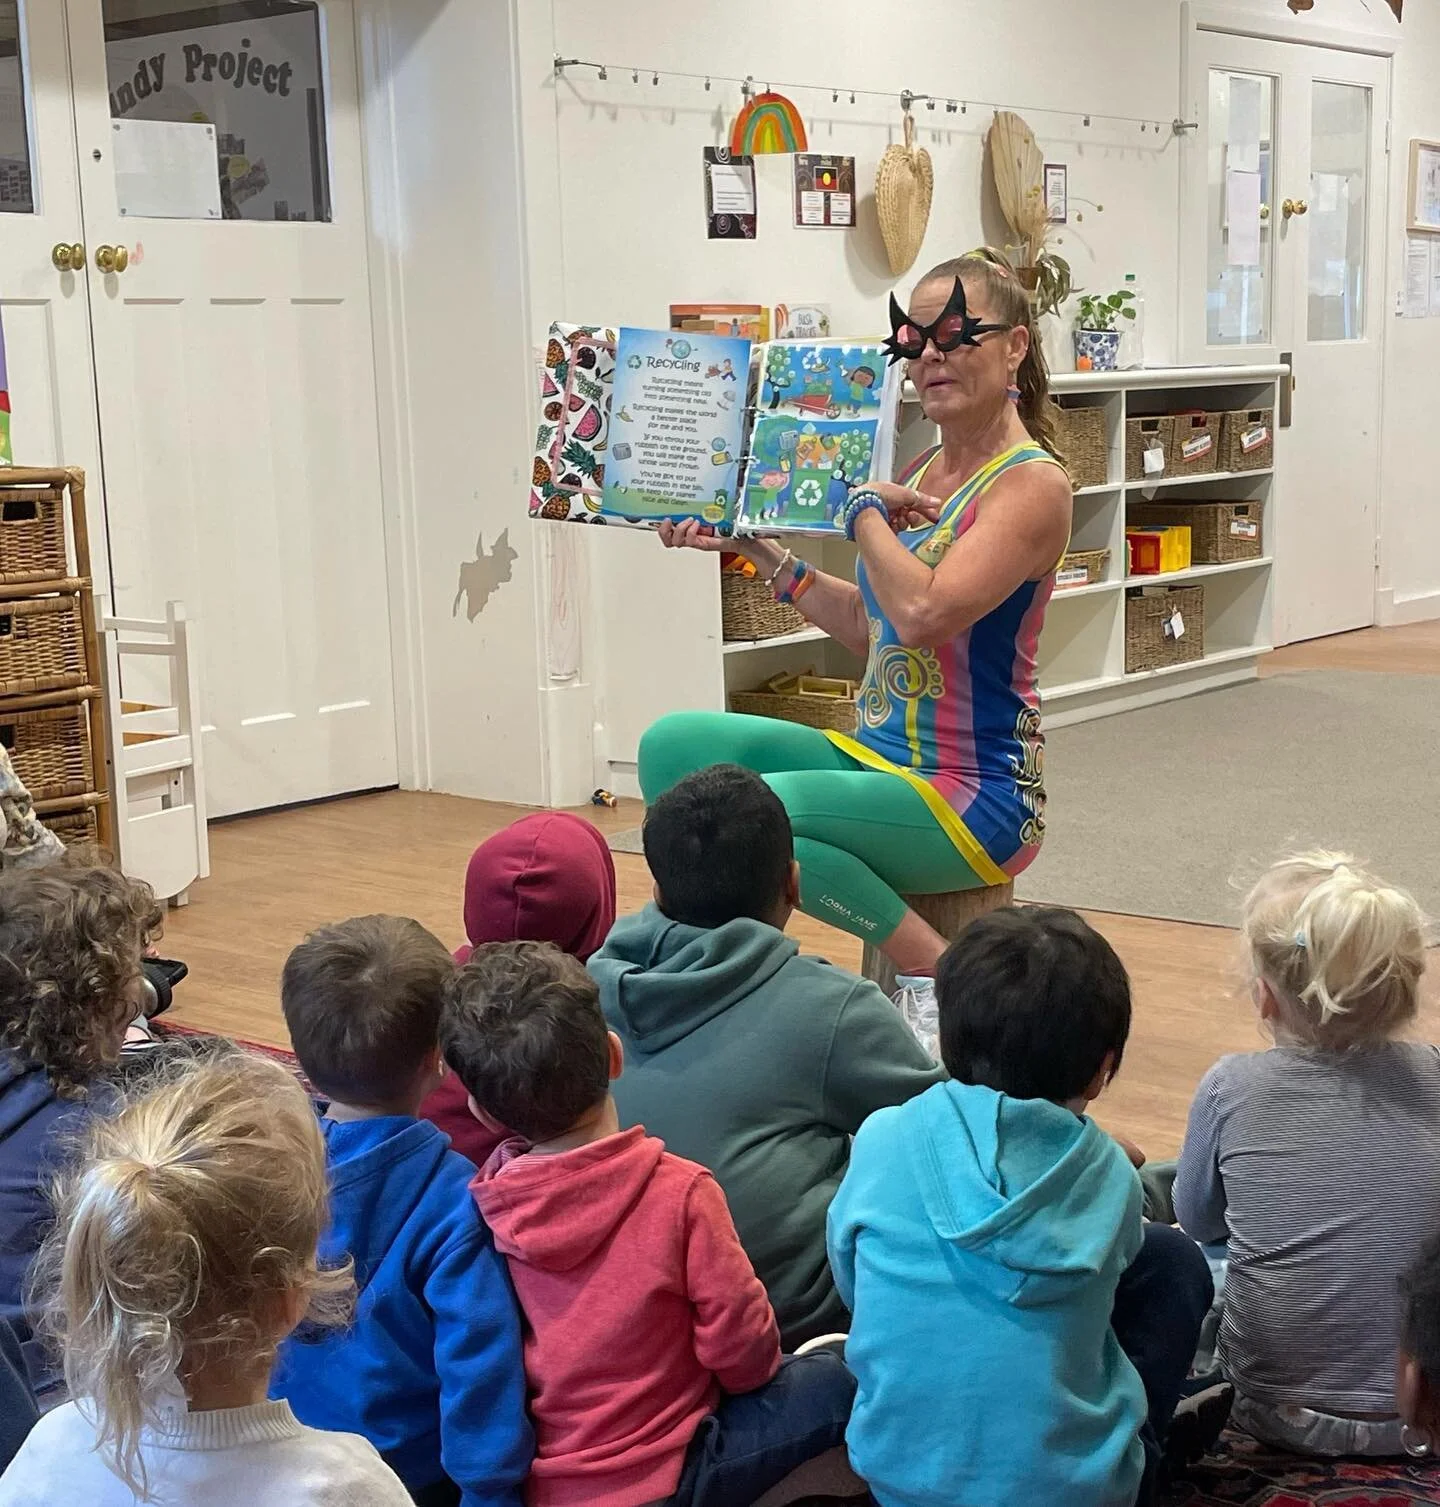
<point>1018,1334</point>
<point>431,1371</point>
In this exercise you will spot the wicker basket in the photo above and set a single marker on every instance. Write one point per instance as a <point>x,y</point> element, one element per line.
<point>42,645</point>
<point>1081,567</point>
<point>32,535</point>
<point>1252,427</point>
<point>904,187</point>
<point>1219,531</point>
<point>1149,613</point>
<point>1147,434</point>
<point>1080,433</point>
<point>748,610</point>
<point>811,700</point>
<point>1194,445</point>
<point>50,747</point>
<point>77,827</point>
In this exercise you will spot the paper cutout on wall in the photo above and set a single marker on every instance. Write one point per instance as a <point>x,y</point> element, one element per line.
<point>768,123</point>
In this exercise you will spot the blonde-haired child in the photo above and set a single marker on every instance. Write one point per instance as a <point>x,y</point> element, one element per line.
<point>183,1252</point>
<point>1319,1160</point>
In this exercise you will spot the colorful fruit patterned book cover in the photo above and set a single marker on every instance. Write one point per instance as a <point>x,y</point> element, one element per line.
<point>567,476</point>
<point>825,415</point>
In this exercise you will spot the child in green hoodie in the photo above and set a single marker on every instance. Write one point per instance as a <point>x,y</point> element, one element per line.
<point>1019,1335</point>
<point>743,1056</point>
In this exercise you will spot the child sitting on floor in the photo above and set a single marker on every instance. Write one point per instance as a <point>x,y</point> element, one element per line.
<point>1417,1372</point>
<point>643,1310</point>
<point>1319,1160</point>
<point>548,877</point>
<point>1017,1334</point>
<point>71,942</point>
<point>183,1251</point>
<point>431,1371</point>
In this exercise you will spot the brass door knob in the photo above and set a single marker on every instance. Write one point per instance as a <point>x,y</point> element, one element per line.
<point>112,258</point>
<point>1264,212</point>
<point>68,258</point>
<point>1295,207</point>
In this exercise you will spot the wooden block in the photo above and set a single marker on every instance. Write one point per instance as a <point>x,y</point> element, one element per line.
<point>949,914</point>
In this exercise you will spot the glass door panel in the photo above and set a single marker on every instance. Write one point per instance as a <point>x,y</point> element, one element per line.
<point>1239,300</point>
<point>1337,214</point>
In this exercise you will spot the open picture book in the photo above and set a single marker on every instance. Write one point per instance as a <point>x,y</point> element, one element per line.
<point>641,426</point>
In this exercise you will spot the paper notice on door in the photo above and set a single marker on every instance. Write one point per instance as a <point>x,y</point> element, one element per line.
<point>1417,277</point>
<point>1242,204</point>
<point>166,169</point>
<point>1434,278</point>
<point>1244,143</point>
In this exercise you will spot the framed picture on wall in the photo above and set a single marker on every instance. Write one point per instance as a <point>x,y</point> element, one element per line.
<point>1423,201</point>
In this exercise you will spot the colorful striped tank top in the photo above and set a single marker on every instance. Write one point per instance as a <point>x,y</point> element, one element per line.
<point>962,722</point>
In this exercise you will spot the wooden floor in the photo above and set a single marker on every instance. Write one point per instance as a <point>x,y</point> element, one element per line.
<point>278,875</point>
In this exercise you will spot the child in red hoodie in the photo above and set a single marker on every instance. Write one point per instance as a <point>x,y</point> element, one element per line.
<point>651,1352</point>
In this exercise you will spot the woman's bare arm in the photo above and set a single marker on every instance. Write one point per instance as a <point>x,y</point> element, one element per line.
<point>1019,534</point>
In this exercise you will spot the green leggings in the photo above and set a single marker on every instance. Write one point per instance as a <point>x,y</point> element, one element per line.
<point>862,837</point>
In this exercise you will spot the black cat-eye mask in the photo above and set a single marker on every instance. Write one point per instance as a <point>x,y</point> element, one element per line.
<point>950,329</point>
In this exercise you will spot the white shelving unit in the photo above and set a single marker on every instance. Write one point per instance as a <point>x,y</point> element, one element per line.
<point>1082,650</point>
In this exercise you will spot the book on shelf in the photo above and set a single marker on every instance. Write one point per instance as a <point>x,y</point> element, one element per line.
<point>639,427</point>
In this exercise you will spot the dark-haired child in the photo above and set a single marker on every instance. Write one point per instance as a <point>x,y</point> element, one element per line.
<point>988,1240</point>
<point>431,1371</point>
<point>742,1055</point>
<point>1417,1372</point>
<point>651,1352</point>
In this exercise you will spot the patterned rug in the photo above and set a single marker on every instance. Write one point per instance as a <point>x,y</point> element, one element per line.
<point>1244,1473</point>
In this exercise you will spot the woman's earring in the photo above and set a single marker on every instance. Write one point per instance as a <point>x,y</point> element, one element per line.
<point>1414,1443</point>
<point>1012,392</point>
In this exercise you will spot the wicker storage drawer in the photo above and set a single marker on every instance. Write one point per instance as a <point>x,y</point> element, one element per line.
<point>1219,531</point>
<point>812,700</point>
<point>42,645</point>
<point>50,748</point>
<point>748,610</point>
<point>1080,433</point>
<point>1247,439</point>
<point>1081,567</point>
<point>32,535</point>
<point>1194,445</point>
<point>77,826</point>
<point>1150,628</point>
<point>1155,433</point>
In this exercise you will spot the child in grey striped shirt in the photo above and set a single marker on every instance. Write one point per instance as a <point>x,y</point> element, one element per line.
<point>1319,1160</point>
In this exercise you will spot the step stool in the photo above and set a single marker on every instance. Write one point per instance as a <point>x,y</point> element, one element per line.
<point>949,913</point>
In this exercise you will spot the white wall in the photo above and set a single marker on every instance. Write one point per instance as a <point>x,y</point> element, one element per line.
<point>603,220</point>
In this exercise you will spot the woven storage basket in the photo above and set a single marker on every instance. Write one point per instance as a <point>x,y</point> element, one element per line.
<point>75,828</point>
<point>1219,531</point>
<point>1080,433</point>
<point>748,610</point>
<point>1081,567</point>
<point>1148,610</point>
<point>50,748</point>
<point>904,186</point>
<point>1235,428</point>
<point>42,645</point>
<point>1191,432</point>
<point>1147,434</point>
<point>32,535</point>
<point>807,699</point>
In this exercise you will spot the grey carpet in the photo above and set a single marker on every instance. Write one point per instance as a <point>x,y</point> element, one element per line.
<point>1174,810</point>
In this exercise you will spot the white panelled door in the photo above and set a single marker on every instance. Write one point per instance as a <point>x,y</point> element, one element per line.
<point>235,372</point>
<point>42,304</point>
<point>1310,123</point>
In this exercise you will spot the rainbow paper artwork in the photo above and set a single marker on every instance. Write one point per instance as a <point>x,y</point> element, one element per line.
<point>768,123</point>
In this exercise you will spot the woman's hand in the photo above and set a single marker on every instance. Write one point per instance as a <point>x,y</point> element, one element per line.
<point>692,534</point>
<point>906,508</point>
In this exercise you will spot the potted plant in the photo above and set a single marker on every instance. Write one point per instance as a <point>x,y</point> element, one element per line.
<point>1097,340</point>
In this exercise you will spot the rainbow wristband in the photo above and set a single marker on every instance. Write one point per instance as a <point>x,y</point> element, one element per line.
<point>863,500</point>
<point>802,580</point>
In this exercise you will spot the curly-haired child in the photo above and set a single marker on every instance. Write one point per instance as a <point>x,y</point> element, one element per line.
<point>184,1250</point>
<point>71,942</point>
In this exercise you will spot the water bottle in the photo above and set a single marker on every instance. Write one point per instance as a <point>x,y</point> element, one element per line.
<point>1132,331</point>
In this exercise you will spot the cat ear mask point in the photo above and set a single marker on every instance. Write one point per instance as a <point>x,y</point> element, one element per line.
<point>955,307</point>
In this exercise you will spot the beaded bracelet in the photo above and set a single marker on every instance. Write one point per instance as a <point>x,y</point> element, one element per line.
<point>788,558</point>
<point>800,583</point>
<point>862,500</point>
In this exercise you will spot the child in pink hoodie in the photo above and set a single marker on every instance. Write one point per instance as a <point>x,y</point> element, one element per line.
<point>652,1355</point>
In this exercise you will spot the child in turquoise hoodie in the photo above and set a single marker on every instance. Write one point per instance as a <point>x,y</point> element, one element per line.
<point>988,1241</point>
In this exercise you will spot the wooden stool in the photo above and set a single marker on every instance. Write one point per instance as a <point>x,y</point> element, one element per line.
<point>949,914</point>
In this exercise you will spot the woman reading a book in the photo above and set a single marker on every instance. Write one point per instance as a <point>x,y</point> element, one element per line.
<point>941,788</point>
